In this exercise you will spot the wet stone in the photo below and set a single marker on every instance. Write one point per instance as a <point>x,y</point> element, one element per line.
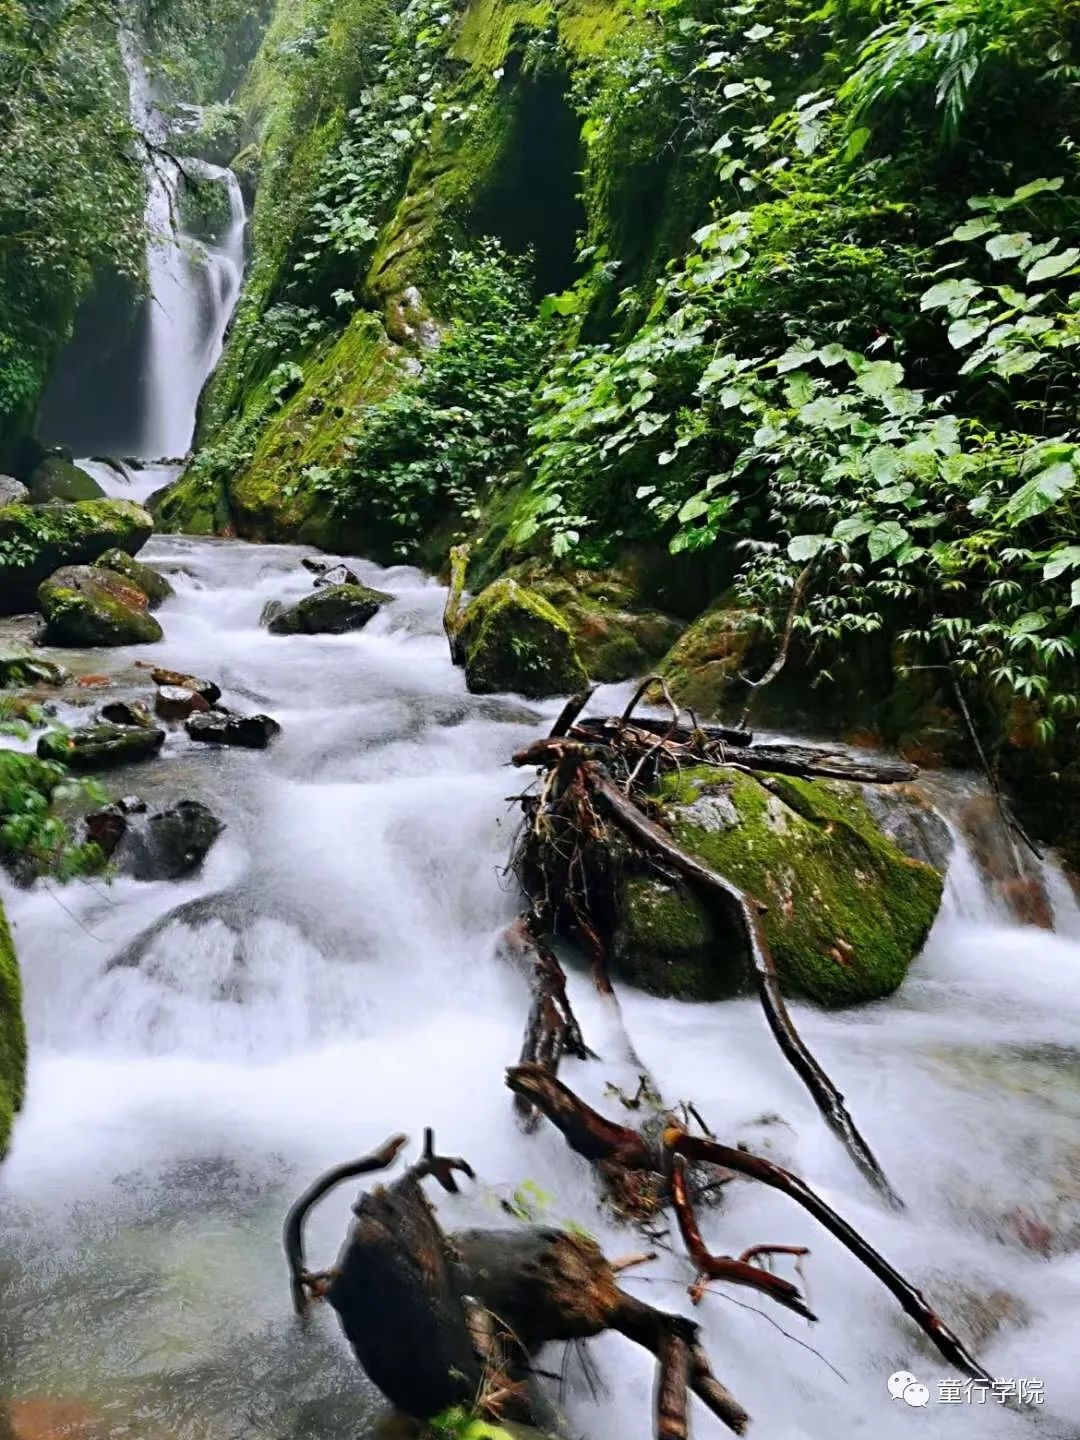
<point>210,692</point>
<point>99,747</point>
<point>177,702</point>
<point>249,732</point>
<point>128,712</point>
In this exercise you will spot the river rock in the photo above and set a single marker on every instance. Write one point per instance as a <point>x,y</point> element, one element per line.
<point>100,747</point>
<point>57,480</point>
<point>338,575</point>
<point>154,586</point>
<point>23,667</point>
<point>846,910</point>
<point>210,692</point>
<point>315,564</point>
<point>12,491</point>
<point>84,605</point>
<point>128,712</point>
<point>175,702</point>
<point>332,611</point>
<point>166,845</point>
<point>250,732</point>
<point>515,640</point>
<point>36,540</point>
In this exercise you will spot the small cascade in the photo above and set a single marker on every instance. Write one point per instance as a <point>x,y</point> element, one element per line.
<point>194,284</point>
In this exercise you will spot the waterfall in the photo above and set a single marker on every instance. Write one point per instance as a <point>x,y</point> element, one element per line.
<point>194,284</point>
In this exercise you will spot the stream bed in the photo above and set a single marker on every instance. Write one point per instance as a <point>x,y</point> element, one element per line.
<point>199,1050</point>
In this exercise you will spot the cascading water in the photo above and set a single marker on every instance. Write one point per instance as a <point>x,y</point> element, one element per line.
<point>194,284</point>
<point>199,1050</point>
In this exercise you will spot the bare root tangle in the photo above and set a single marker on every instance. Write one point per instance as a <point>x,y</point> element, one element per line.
<point>826,1096</point>
<point>552,1029</point>
<point>913,1303</point>
<point>672,1389</point>
<point>653,1330</point>
<point>725,1267</point>
<point>300,1280</point>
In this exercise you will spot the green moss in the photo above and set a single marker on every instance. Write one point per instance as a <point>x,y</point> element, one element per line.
<point>83,605</point>
<point>663,933</point>
<point>847,912</point>
<point>58,479</point>
<point>36,540</point>
<point>514,640</point>
<point>154,586</point>
<point>12,1036</point>
<point>703,666</point>
<point>331,611</point>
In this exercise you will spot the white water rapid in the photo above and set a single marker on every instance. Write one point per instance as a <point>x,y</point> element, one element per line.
<point>199,1051</point>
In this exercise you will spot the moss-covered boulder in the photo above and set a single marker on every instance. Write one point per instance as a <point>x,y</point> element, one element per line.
<point>12,1036</point>
<point>513,639</point>
<point>36,540</point>
<point>100,747</point>
<point>58,480</point>
<point>153,585</point>
<point>847,911</point>
<point>703,667</point>
<point>20,667</point>
<point>84,605</point>
<point>615,637</point>
<point>13,492</point>
<point>331,611</point>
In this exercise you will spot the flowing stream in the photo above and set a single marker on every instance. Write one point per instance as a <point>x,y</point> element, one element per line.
<point>200,1050</point>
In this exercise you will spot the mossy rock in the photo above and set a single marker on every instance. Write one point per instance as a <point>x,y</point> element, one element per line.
<point>515,640</point>
<point>36,540</point>
<point>663,937</point>
<point>153,585</point>
<point>614,639</point>
<point>57,479</point>
<point>332,611</point>
<point>12,1036</point>
<point>100,747</point>
<point>703,667</point>
<point>84,605</point>
<point>847,911</point>
<point>24,668</point>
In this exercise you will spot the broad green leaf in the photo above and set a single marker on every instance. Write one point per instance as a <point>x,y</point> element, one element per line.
<point>1074,598</point>
<point>804,547</point>
<point>1034,187</point>
<point>694,508</point>
<point>974,229</point>
<point>886,539</point>
<point>1066,558</point>
<point>957,295</point>
<point>880,377</point>
<point>1041,491</point>
<point>1054,265</point>
<point>1010,246</point>
<point>1028,624</point>
<point>968,328</point>
<point>852,528</point>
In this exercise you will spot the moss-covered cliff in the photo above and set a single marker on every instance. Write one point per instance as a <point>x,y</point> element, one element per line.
<point>12,1036</point>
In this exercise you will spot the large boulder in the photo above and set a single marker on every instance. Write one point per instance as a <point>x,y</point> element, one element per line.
<point>704,666</point>
<point>100,747</point>
<point>12,491</point>
<point>847,911</point>
<point>154,586</point>
<point>84,605</point>
<point>35,540</point>
<point>332,611</point>
<point>616,637</point>
<point>57,480</point>
<point>513,639</point>
<point>12,1036</point>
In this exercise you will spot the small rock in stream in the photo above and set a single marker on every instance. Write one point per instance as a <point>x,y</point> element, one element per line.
<point>333,611</point>
<point>98,747</point>
<point>128,712</point>
<point>177,702</point>
<point>251,732</point>
<point>339,575</point>
<point>210,692</point>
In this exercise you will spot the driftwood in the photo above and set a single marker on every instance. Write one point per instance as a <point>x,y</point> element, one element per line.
<point>454,609</point>
<point>603,1142</point>
<point>439,1320</point>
